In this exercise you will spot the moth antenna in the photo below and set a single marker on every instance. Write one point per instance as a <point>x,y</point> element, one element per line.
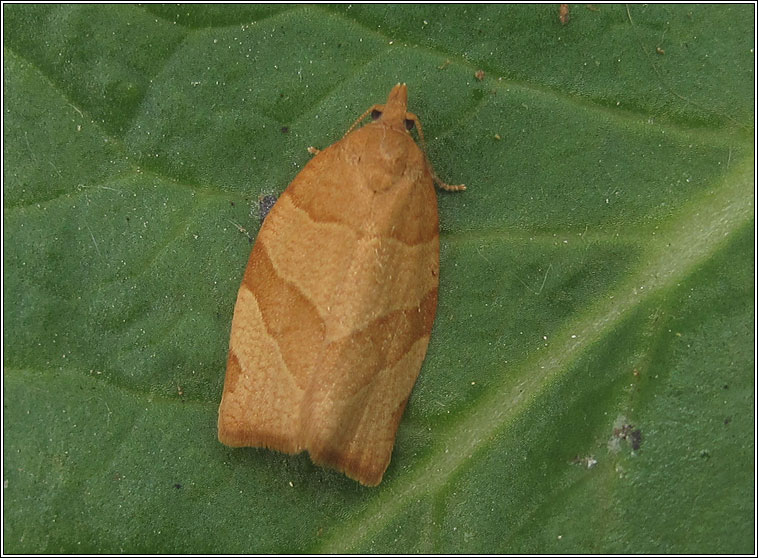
<point>362,116</point>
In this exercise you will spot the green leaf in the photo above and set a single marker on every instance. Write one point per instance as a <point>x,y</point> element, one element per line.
<point>589,384</point>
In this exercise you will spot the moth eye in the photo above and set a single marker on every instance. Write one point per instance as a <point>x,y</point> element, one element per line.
<point>409,125</point>
<point>375,114</point>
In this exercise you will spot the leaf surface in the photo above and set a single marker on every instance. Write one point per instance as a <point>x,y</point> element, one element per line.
<point>589,383</point>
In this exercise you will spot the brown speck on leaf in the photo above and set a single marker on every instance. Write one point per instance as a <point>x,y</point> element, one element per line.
<point>659,50</point>
<point>479,75</point>
<point>444,65</point>
<point>563,14</point>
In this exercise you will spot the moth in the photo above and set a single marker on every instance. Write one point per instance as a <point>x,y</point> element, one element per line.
<point>336,306</point>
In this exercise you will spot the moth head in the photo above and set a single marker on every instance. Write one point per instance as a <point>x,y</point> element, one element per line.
<point>376,114</point>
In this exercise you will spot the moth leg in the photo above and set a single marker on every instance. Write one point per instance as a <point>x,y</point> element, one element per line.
<point>437,180</point>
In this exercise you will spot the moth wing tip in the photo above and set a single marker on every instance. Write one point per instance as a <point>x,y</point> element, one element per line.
<point>368,472</point>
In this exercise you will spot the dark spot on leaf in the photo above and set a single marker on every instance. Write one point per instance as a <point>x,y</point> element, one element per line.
<point>265,203</point>
<point>285,129</point>
<point>636,438</point>
<point>375,114</point>
<point>177,486</point>
<point>630,434</point>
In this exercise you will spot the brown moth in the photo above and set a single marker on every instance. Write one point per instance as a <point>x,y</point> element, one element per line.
<point>336,306</point>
